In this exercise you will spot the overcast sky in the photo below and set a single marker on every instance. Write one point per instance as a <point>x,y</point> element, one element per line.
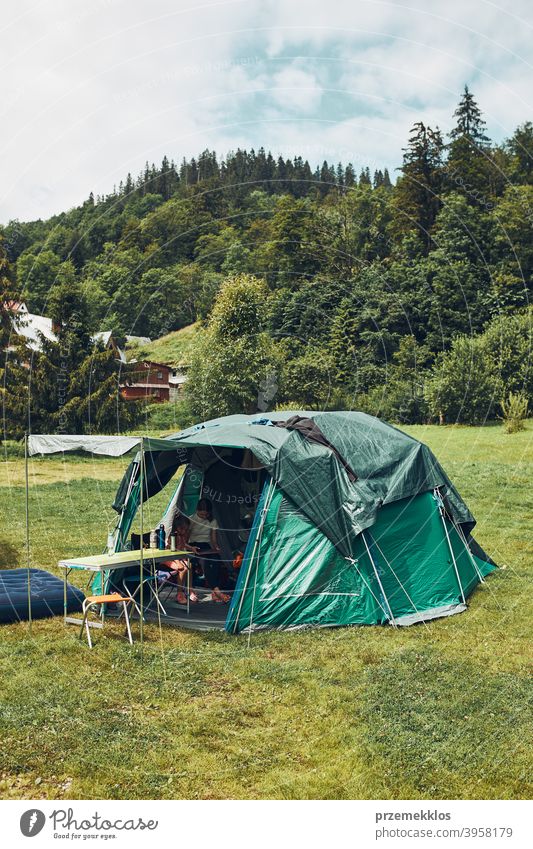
<point>93,88</point>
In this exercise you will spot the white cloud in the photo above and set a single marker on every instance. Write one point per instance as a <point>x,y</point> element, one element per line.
<point>296,89</point>
<point>90,91</point>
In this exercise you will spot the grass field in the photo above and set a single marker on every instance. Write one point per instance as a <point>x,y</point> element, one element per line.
<point>435,711</point>
<point>175,348</point>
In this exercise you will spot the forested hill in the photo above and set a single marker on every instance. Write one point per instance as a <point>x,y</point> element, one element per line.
<point>366,280</point>
<point>166,239</point>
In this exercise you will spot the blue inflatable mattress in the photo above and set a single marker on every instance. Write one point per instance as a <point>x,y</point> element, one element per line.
<point>46,595</point>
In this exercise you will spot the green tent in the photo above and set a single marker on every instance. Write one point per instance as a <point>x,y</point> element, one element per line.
<point>352,521</point>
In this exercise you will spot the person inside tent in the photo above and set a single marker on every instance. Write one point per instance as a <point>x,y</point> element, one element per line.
<point>203,537</point>
<point>179,568</point>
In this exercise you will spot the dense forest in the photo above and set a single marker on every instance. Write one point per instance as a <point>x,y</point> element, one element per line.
<point>316,287</point>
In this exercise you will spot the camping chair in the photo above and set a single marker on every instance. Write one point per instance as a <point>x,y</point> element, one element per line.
<point>94,601</point>
<point>167,587</point>
<point>151,583</point>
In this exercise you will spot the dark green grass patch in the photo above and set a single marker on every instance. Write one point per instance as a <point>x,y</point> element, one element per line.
<point>439,727</point>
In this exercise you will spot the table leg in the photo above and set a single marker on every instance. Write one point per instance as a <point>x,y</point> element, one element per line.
<point>66,573</point>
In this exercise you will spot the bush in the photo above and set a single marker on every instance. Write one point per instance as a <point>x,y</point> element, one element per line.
<point>397,401</point>
<point>307,379</point>
<point>465,385</point>
<point>514,412</point>
<point>509,340</point>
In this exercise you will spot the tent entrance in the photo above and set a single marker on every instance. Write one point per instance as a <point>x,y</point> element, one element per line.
<point>232,480</point>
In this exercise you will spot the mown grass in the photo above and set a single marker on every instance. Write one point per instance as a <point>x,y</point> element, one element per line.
<point>438,711</point>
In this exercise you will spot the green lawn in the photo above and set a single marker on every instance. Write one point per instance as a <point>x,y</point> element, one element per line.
<point>435,711</point>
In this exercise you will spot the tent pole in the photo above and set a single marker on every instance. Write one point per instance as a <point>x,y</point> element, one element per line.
<point>440,507</point>
<point>393,620</point>
<point>141,558</point>
<point>27,503</point>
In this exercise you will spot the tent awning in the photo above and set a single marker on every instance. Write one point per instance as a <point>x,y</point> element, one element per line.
<point>110,446</point>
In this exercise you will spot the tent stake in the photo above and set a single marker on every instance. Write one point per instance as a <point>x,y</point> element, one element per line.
<point>28,562</point>
<point>440,507</point>
<point>392,619</point>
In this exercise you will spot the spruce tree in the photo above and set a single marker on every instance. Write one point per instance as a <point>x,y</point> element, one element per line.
<point>350,180</point>
<point>520,149</point>
<point>470,123</point>
<point>419,189</point>
<point>469,166</point>
<point>364,177</point>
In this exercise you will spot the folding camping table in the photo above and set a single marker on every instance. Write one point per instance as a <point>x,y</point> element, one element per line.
<point>110,562</point>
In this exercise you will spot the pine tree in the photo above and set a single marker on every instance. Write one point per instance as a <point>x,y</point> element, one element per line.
<point>128,185</point>
<point>163,183</point>
<point>364,177</point>
<point>350,180</point>
<point>418,192</point>
<point>520,148</point>
<point>262,170</point>
<point>207,166</point>
<point>469,166</point>
<point>146,179</point>
<point>307,177</point>
<point>469,120</point>
<point>327,178</point>
<point>281,175</point>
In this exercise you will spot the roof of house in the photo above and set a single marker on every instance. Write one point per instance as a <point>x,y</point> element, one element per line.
<point>15,306</point>
<point>31,327</point>
<point>103,336</point>
<point>106,337</point>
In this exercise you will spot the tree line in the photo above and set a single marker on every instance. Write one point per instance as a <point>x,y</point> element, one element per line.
<point>373,293</point>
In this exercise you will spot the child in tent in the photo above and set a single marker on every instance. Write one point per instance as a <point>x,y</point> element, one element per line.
<point>203,537</point>
<point>179,568</point>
